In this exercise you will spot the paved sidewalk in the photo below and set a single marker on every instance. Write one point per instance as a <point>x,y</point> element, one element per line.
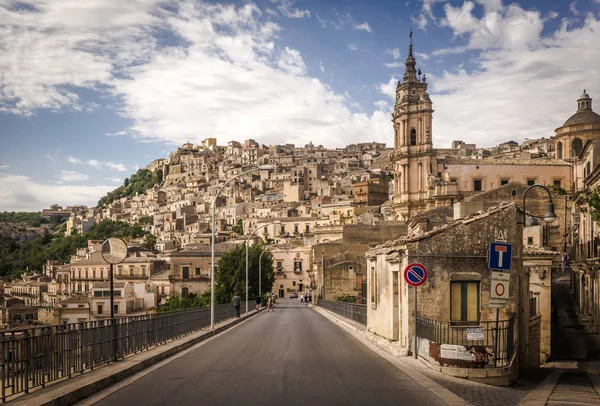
<point>71,390</point>
<point>472,393</point>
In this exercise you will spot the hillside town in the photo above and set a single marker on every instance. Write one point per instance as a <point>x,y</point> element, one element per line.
<point>345,222</point>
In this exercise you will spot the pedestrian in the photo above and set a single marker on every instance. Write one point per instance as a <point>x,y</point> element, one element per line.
<point>269,304</point>
<point>236,304</point>
<point>258,300</point>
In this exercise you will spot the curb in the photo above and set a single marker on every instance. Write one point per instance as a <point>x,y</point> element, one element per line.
<point>69,391</point>
<point>379,342</point>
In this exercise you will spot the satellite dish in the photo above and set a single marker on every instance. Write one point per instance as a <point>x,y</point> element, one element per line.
<point>114,250</point>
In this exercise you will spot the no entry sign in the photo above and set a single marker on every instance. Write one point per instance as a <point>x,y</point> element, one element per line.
<point>415,274</point>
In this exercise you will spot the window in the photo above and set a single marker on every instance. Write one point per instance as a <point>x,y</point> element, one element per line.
<point>529,240</point>
<point>143,270</point>
<point>197,271</point>
<point>453,180</point>
<point>100,309</point>
<point>530,182</point>
<point>307,228</point>
<point>97,293</point>
<point>184,292</point>
<point>503,182</point>
<point>294,283</point>
<point>298,266</point>
<point>116,308</point>
<point>279,266</point>
<point>79,273</point>
<point>557,182</point>
<point>373,288</point>
<point>86,273</point>
<point>101,273</point>
<point>559,150</point>
<point>464,301</point>
<point>359,281</point>
<point>577,147</point>
<point>185,270</point>
<point>413,137</point>
<point>477,185</point>
<point>296,228</point>
<point>130,270</point>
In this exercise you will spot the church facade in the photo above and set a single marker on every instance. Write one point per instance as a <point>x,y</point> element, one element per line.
<point>426,177</point>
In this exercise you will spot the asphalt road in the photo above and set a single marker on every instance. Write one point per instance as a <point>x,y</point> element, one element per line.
<point>292,356</point>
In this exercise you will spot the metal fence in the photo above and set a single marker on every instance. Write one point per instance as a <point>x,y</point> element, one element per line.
<point>356,312</point>
<point>499,336</point>
<point>36,356</point>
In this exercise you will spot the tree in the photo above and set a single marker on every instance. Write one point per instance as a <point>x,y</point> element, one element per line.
<point>231,273</point>
<point>149,242</point>
<point>239,227</point>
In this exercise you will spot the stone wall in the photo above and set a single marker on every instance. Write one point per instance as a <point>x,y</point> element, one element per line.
<point>533,352</point>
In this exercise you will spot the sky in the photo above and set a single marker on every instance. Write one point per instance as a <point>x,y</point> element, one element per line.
<point>91,91</point>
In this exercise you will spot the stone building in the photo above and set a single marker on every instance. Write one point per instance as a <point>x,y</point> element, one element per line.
<point>455,297</point>
<point>340,265</point>
<point>293,265</point>
<point>426,178</point>
<point>582,126</point>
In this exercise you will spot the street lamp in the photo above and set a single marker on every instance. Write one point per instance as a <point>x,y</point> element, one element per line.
<point>248,239</point>
<point>259,273</point>
<point>212,240</point>
<point>550,216</point>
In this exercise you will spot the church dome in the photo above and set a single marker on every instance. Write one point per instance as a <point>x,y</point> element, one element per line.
<point>584,95</point>
<point>583,117</point>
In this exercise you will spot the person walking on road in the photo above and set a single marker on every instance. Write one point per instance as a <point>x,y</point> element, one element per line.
<point>258,300</point>
<point>236,304</point>
<point>270,304</point>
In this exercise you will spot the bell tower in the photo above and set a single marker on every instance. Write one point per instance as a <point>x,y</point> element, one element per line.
<point>413,145</point>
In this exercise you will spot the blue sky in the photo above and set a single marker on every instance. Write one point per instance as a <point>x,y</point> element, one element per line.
<point>91,91</point>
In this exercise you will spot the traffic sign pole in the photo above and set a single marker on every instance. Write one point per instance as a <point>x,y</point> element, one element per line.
<point>415,275</point>
<point>415,352</point>
<point>496,343</point>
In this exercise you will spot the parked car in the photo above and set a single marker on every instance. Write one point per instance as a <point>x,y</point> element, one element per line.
<point>293,295</point>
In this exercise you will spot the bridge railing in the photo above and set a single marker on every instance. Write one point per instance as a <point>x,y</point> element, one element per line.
<point>36,356</point>
<point>356,312</point>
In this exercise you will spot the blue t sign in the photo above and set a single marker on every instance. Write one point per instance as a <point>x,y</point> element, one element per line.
<point>500,256</point>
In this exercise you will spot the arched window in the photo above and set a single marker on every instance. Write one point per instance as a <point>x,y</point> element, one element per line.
<point>577,147</point>
<point>559,151</point>
<point>413,137</point>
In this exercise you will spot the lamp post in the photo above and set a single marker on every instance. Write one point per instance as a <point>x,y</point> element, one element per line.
<point>247,240</point>
<point>259,273</point>
<point>550,216</point>
<point>212,240</point>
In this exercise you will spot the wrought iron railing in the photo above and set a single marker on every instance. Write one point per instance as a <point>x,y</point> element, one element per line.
<point>498,336</point>
<point>356,312</point>
<point>36,356</point>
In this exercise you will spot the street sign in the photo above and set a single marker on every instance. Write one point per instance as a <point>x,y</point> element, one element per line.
<point>475,334</point>
<point>499,285</point>
<point>497,303</point>
<point>499,256</point>
<point>415,274</point>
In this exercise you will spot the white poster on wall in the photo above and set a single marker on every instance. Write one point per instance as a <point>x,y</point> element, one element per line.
<point>450,351</point>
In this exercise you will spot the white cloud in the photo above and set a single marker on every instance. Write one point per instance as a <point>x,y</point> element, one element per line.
<point>286,8</point>
<point>116,134</point>
<point>52,157</point>
<point>20,193</point>
<point>72,176</point>
<point>573,8</point>
<point>394,52</point>
<point>518,74</point>
<point>94,163</point>
<point>116,180</point>
<point>396,64</point>
<point>4,166</point>
<point>116,166</point>
<point>352,47</point>
<point>291,61</point>
<point>389,88</point>
<point>229,59</point>
<point>321,67</point>
<point>383,105</point>
<point>363,27</point>
<point>48,53</point>
<point>420,22</point>
<point>74,160</point>
<point>422,56</point>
